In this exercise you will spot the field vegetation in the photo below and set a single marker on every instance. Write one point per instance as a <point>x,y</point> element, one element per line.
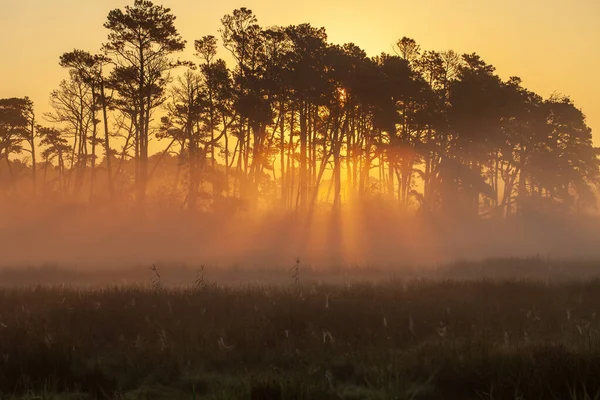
<point>500,329</point>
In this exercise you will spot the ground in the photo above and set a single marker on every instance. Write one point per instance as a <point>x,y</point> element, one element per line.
<point>470,331</point>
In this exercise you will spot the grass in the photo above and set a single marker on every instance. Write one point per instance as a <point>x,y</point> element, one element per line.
<point>500,338</point>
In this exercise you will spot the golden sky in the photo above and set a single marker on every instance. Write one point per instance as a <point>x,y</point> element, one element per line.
<point>553,45</point>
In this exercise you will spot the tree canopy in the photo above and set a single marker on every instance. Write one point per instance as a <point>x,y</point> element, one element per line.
<point>295,122</point>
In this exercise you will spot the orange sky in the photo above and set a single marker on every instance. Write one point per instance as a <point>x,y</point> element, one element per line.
<point>553,45</point>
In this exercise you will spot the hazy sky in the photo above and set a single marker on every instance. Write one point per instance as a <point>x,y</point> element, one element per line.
<point>553,45</point>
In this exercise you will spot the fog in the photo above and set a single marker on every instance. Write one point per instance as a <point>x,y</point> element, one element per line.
<point>372,235</point>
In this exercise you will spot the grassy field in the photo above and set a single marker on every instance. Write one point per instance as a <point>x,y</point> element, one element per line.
<point>511,329</point>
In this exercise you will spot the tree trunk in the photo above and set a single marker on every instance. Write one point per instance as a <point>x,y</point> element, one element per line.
<point>338,137</point>
<point>94,133</point>
<point>303,147</point>
<point>33,158</point>
<point>282,151</point>
<point>142,136</point>
<point>107,151</point>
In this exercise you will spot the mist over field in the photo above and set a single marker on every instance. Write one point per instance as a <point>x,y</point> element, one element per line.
<point>376,236</point>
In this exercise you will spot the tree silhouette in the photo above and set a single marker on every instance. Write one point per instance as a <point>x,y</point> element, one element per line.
<point>56,147</point>
<point>16,127</point>
<point>141,40</point>
<point>296,122</point>
<point>73,107</point>
<point>90,70</point>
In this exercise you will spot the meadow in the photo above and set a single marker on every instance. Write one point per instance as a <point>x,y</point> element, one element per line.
<point>497,329</point>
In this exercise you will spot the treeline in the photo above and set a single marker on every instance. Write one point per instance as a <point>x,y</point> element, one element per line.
<point>293,122</point>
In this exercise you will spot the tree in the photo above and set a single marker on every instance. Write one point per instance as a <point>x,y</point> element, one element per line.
<point>141,40</point>
<point>478,105</point>
<point>217,105</point>
<point>182,124</point>
<point>73,107</point>
<point>16,119</point>
<point>243,38</point>
<point>306,81</point>
<point>90,70</point>
<point>564,167</point>
<point>56,147</point>
<point>220,102</point>
<point>206,50</point>
<point>405,126</point>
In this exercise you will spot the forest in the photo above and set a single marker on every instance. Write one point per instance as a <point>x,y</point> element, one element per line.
<point>288,121</point>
